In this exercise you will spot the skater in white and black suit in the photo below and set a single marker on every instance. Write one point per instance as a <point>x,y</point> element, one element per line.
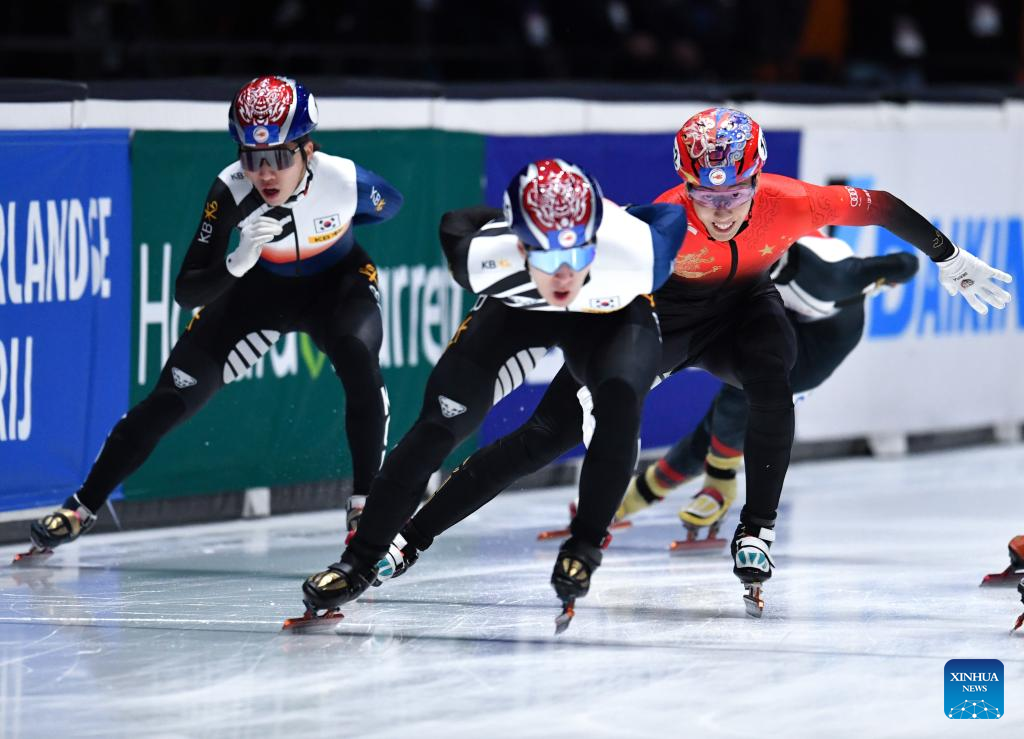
<point>297,267</point>
<point>561,267</point>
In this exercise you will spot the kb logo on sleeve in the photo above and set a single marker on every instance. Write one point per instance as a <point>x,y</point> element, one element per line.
<point>974,688</point>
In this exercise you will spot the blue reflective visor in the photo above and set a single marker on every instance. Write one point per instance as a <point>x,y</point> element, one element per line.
<point>550,260</point>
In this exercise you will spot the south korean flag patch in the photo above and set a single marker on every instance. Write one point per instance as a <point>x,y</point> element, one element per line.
<point>606,304</point>
<point>325,224</point>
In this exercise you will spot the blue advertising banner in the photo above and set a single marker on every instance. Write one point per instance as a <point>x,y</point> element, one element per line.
<point>632,168</point>
<point>65,290</point>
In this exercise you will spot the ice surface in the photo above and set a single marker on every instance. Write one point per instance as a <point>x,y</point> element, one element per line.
<point>176,632</point>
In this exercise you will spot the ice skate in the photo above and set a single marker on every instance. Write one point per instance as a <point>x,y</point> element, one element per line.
<point>312,620</point>
<point>400,557</point>
<point>325,592</point>
<point>563,533</point>
<point>753,565</point>
<point>32,556</point>
<point>60,527</point>
<point>570,578</point>
<point>1014,571</point>
<point>708,507</point>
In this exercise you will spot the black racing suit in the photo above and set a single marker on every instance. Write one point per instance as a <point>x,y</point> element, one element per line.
<point>615,353</point>
<point>312,278</point>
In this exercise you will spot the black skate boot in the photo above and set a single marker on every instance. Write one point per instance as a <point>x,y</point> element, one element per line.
<point>325,592</point>
<point>752,562</point>
<point>340,583</point>
<point>574,567</point>
<point>64,525</point>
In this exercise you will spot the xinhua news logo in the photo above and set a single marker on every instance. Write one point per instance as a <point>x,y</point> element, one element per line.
<point>974,688</point>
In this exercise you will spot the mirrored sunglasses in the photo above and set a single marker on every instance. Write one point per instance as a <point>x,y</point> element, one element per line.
<point>278,158</point>
<point>551,260</point>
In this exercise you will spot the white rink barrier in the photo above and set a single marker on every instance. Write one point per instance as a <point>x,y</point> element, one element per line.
<point>927,364</point>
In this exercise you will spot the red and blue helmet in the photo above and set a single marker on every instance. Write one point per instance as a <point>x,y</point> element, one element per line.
<point>552,204</point>
<point>270,111</point>
<point>719,146</point>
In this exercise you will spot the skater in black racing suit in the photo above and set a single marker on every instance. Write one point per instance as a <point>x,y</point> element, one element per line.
<point>297,267</point>
<point>561,267</point>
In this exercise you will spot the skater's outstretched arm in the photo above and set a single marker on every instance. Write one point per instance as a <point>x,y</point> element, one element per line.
<point>959,271</point>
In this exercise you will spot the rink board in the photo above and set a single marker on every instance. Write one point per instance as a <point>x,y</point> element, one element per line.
<point>65,306</point>
<point>918,341</point>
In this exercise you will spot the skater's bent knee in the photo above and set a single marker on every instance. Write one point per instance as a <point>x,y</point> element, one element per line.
<point>772,393</point>
<point>617,398</point>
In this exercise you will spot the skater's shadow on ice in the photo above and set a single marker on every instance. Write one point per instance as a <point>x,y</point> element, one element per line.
<point>678,614</point>
<point>162,572</point>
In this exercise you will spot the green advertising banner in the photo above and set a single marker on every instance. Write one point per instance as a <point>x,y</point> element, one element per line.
<point>284,423</point>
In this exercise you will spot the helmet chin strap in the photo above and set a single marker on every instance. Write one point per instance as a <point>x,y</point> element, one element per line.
<point>309,171</point>
<point>308,177</point>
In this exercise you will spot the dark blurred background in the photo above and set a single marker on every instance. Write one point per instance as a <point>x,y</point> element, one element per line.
<point>869,43</point>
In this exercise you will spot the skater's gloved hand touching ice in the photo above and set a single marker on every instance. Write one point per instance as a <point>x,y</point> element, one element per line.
<point>250,245</point>
<point>964,273</point>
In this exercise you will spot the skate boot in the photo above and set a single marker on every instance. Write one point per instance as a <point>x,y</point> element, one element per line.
<point>752,563</point>
<point>400,557</point>
<point>65,524</point>
<point>1016,568</point>
<point>570,578</point>
<point>325,592</point>
<point>708,507</point>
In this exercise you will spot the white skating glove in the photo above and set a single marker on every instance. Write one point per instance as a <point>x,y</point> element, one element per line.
<point>250,245</point>
<point>964,273</point>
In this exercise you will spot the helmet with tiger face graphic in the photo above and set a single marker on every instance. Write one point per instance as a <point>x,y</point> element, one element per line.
<point>271,111</point>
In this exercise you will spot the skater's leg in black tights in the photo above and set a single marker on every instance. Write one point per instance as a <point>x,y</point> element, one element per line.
<point>135,436</point>
<point>766,349</point>
<point>618,370</point>
<point>553,429</point>
<point>459,393</point>
<point>396,491</point>
<point>352,342</point>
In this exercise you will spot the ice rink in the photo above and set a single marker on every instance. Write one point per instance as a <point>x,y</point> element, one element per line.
<point>177,632</point>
